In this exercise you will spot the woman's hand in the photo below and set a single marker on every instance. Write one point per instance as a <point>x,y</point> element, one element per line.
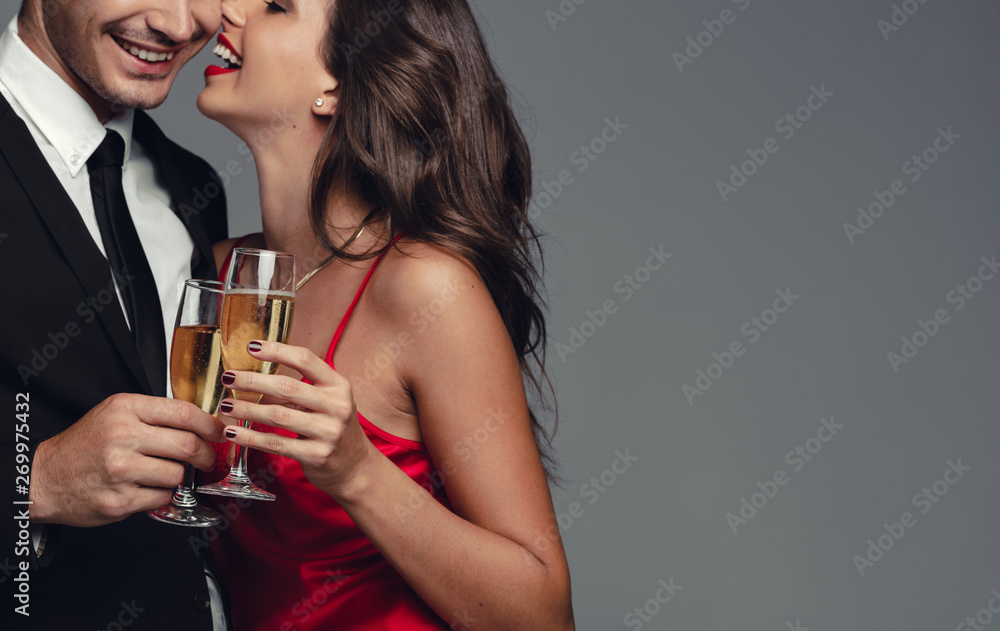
<point>331,445</point>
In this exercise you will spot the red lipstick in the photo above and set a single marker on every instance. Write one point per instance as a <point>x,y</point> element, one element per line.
<point>223,49</point>
<point>212,71</point>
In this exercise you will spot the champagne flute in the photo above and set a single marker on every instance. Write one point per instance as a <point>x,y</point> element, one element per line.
<point>195,371</point>
<point>260,296</point>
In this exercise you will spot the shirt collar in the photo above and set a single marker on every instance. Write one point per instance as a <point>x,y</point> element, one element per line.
<point>56,109</point>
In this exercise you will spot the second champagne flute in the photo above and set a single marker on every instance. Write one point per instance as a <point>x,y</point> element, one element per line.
<point>260,297</point>
<point>195,370</point>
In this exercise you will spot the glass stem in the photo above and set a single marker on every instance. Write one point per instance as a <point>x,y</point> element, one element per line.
<point>184,496</point>
<point>239,469</point>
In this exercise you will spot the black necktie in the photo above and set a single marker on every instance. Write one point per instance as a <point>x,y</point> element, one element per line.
<point>127,259</point>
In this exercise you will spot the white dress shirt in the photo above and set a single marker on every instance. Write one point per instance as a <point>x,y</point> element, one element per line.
<point>68,132</point>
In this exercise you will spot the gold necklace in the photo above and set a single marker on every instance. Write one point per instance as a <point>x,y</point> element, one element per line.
<point>329,259</point>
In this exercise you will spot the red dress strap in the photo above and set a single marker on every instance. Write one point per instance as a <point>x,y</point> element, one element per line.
<point>350,309</point>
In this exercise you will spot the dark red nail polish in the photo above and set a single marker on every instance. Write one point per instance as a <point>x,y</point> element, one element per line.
<point>255,347</point>
<point>226,407</point>
<point>228,378</point>
<point>230,432</point>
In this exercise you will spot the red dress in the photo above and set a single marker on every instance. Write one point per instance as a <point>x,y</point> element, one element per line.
<point>300,563</point>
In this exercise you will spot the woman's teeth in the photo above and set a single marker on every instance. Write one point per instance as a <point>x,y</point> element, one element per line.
<point>222,51</point>
<point>145,55</point>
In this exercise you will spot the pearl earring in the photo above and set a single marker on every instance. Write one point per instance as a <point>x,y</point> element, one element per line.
<point>319,102</point>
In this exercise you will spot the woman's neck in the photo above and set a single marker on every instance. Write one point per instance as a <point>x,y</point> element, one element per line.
<point>284,204</point>
<point>284,162</point>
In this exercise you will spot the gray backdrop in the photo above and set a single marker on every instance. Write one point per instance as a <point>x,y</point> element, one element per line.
<point>806,478</point>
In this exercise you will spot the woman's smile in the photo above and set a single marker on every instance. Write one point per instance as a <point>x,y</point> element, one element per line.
<point>227,52</point>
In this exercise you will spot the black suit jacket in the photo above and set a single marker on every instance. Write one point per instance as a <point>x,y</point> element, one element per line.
<point>65,348</point>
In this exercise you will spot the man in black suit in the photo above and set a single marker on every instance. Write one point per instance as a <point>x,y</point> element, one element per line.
<point>89,441</point>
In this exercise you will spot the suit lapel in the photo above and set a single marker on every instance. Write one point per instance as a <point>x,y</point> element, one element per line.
<point>181,189</point>
<point>64,223</point>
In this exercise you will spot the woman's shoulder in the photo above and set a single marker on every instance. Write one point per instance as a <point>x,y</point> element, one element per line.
<point>437,306</point>
<point>418,277</point>
<point>418,271</point>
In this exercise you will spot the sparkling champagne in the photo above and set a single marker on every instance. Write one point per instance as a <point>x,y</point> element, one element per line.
<point>257,306</point>
<point>250,314</point>
<point>196,366</point>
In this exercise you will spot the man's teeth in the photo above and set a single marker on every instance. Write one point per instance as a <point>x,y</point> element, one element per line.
<point>145,55</point>
<point>222,51</point>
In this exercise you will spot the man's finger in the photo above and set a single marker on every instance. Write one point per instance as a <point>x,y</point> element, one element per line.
<point>159,474</point>
<point>179,445</point>
<point>150,498</point>
<point>179,415</point>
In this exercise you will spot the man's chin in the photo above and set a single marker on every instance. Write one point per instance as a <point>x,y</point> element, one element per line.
<point>125,99</point>
<point>139,92</point>
<point>148,104</point>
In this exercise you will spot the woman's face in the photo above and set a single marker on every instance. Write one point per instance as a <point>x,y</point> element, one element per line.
<point>270,72</point>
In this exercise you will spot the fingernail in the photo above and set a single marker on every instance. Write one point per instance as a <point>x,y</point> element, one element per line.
<point>230,432</point>
<point>255,347</point>
<point>226,407</point>
<point>228,378</point>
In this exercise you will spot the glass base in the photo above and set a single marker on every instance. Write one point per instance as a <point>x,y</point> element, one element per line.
<point>195,516</point>
<point>241,487</point>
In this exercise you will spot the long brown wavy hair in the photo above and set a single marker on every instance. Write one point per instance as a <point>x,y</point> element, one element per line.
<point>424,131</point>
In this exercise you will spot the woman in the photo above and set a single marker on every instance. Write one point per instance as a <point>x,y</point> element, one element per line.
<point>411,492</point>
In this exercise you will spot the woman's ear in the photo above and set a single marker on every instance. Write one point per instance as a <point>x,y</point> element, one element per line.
<point>326,105</point>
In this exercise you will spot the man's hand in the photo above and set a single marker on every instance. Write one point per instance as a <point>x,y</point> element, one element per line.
<point>124,456</point>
